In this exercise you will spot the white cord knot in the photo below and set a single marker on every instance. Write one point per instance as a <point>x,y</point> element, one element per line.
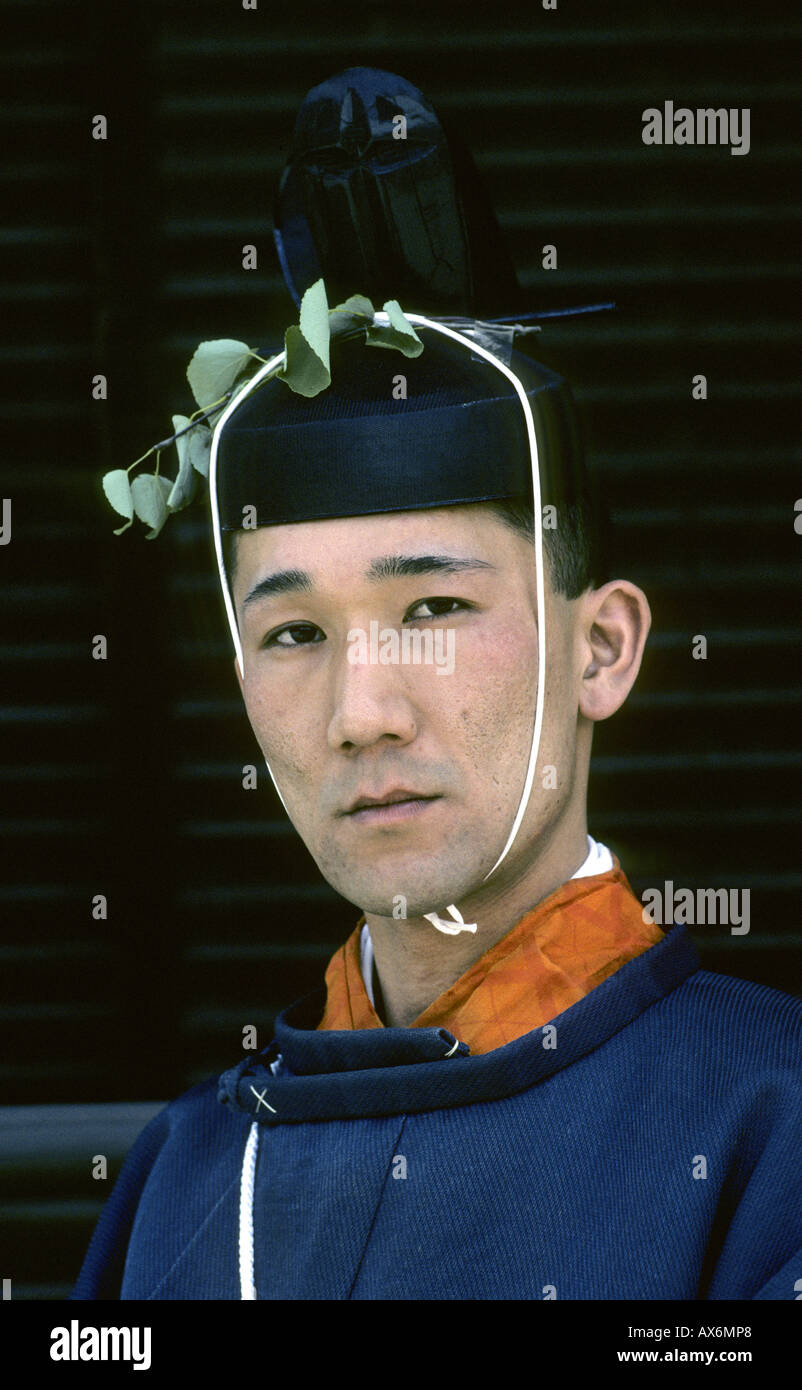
<point>450,928</point>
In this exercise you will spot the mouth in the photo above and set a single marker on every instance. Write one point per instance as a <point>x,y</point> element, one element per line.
<point>397,805</point>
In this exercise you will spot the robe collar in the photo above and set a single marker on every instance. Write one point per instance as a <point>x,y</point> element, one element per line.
<point>555,955</point>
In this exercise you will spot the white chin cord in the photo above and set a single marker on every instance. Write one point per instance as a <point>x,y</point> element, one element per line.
<point>457,923</point>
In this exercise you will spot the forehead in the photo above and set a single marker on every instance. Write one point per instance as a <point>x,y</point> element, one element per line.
<point>352,543</point>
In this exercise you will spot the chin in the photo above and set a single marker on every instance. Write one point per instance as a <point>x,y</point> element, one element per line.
<point>428,878</point>
<point>404,896</point>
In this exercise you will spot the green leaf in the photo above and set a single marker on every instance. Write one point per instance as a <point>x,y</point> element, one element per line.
<point>304,373</point>
<point>400,322</point>
<point>355,304</point>
<point>183,489</point>
<point>398,334</point>
<point>200,447</point>
<point>315,320</point>
<point>356,312</point>
<point>117,487</point>
<point>307,345</point>
<point>215,367</point>
<point>150,493</point>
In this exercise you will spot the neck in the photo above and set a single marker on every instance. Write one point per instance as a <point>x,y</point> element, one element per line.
<point>416,963</point>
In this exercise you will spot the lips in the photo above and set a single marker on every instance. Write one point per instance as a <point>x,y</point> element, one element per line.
<point>388,798</point>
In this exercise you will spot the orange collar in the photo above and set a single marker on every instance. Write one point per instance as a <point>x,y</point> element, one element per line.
<point>556,954</point>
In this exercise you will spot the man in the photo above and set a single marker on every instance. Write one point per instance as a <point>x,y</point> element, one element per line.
<point>512,1084</point>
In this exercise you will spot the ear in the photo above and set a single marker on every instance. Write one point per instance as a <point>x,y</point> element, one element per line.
<point>614,625</point>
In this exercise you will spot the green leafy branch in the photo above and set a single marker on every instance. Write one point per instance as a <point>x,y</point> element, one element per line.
<point>220,369</point>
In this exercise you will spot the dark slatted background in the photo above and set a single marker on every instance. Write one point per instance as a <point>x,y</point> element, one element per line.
<point>124,777</point>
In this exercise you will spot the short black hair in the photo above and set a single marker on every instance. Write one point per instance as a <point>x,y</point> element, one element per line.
<point>575,549</point>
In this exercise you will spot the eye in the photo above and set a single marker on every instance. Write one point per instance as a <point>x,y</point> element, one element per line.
<point>439,608</point>
<point>295,635</point>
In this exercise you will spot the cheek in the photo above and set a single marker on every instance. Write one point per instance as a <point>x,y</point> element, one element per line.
<point>492,712</point>
<point>495,685</point>
<point>503,653</point>
<point>280,728</point>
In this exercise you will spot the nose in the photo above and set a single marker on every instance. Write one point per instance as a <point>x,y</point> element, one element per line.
<point>370,703</point>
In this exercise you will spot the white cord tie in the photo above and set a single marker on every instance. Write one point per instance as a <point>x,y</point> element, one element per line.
<point>246,1279</point>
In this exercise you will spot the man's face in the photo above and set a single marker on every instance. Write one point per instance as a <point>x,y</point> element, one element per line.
<point>450,750</point>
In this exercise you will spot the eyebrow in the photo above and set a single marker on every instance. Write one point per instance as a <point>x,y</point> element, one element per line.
<point>385,567</point>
